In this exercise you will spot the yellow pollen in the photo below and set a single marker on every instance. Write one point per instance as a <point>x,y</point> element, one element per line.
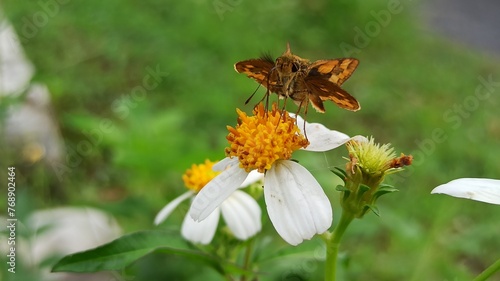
<point>198,176</point>
<point>261,139</point>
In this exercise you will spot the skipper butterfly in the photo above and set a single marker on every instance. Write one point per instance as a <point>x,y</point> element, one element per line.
<point>291,76</point>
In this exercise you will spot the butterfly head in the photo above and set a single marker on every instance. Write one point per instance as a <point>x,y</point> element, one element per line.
<point>288,65</point>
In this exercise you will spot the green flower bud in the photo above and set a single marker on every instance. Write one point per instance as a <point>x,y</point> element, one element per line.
<point>368,165</point>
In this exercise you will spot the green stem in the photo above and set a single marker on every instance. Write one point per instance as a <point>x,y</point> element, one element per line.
<point>247,258</point>
<point>488,272</point>
<point>332,246</point>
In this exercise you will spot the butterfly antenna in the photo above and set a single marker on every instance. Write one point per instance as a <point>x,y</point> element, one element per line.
<point>248,100</point>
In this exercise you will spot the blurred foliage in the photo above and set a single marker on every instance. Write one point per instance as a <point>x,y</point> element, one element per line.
<point>126,149</point>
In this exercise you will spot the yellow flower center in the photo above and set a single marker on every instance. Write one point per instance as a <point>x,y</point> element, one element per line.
<point>261,139</point>
<point>371,157</point>
<point>198,176</point>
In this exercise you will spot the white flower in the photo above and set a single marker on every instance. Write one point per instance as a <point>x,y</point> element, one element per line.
<point>484,190</point>
<point>241,213</point>
<point>50,234</point>
<point>320,137</point>
<point>296,203</point>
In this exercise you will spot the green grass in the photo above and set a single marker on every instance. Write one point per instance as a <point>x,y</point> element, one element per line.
<point>91,54</point>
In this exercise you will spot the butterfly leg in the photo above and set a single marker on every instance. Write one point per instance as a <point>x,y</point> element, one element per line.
<point>283,109</point>
<point>306,102</point>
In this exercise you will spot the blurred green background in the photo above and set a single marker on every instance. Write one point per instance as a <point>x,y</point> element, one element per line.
<point>417,91</point>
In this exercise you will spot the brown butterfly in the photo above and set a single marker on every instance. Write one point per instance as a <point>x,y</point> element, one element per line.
<point>291,76</point>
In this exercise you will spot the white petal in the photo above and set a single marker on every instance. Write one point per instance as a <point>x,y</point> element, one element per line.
<point>63,231</point>
<point>359,138</point>
<point>296,203</point>
<point>216,191</point>
<point>203,231</point>
<point>253,177</point>
<point>224,163</point>
<point>242,214</point>
<point>484,190</point>
<point>320,137</point>
<point>167,210</point>
<point>16,70</point>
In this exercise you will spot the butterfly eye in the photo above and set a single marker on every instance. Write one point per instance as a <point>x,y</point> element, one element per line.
<point>295,67</point>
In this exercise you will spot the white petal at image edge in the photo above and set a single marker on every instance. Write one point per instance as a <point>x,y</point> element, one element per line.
<point>297,205</point>
<point>484,190</point>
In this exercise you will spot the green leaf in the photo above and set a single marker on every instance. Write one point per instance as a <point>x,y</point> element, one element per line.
<point>362,189</point>
<point>340,173</point>
<point>306,251</point>
<point>384,185</point>
<point>373,208</point>
<point>121,252</point>
<point>385,190</point>
<point>342,188</point>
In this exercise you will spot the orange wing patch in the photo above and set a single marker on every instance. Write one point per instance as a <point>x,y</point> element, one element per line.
<point>337,70</point>
<point>256,69</point>
<point>327,90</point>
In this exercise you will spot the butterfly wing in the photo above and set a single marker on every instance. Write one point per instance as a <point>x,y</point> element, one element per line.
<point>336,71</point>
<point>259,70</point>
<point>321,89</point>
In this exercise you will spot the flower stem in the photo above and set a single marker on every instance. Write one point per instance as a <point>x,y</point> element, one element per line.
<point>247,258</point>
<point>332,246</point>
<point>488,272</point>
